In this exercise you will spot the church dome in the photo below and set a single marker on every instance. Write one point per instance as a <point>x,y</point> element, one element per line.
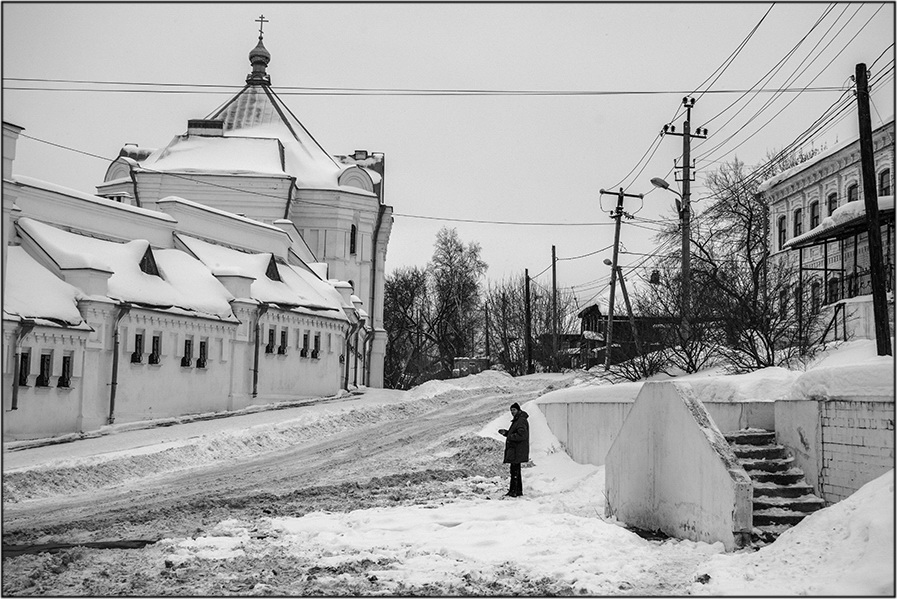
<point>259,57</point>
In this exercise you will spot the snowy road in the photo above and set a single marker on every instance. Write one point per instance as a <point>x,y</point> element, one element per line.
<point>386,494</point>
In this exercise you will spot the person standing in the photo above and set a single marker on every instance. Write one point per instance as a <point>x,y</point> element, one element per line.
<point>516,447</point>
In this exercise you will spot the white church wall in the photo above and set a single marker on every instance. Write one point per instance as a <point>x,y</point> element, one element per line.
<point>307,366</point>
<point>44,406</point>
<point>175,381</point>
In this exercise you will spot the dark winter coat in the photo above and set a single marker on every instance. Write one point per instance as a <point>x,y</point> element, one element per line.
<point>517,441</point>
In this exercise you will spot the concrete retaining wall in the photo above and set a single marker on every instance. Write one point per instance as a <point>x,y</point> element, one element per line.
<point>587,429</point>
<point>670,469</point>
<point>841,444</point>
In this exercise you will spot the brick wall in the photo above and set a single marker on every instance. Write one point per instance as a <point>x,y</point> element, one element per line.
<point>857,445</point>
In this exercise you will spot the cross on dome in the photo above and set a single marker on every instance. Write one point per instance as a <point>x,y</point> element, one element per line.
<point>261,21</point>
<point>259,58</point>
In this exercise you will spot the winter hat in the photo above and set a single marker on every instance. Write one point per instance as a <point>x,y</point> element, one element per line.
<point>515,405</point>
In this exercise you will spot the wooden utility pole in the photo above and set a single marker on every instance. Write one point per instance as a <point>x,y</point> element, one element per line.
<point>685,209</point>
<point>873,228</point>
<point>554,309</point>
<point>528,342</point>
<point>635,337</point>
<point>617,215</point>
<point>488,353</point>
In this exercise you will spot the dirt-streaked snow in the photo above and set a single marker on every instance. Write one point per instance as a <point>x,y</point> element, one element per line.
<point>462,539</point>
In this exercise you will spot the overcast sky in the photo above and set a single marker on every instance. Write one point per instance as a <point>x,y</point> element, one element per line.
<point>521,158</point>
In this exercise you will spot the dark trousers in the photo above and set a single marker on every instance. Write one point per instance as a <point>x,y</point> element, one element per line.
<point>516,488</point>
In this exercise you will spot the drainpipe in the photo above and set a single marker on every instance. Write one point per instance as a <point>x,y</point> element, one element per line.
<point>371,304</point>
<point>123,309</point>
<point>352,330</point>
<point>263,307</point>
<point>26,327</point>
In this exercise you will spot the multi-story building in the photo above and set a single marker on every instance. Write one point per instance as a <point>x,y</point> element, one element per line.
<point>817,223</point>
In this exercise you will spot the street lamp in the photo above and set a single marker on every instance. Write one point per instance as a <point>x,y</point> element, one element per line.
<point>685,220</point>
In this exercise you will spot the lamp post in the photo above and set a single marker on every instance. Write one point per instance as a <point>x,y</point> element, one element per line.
<point>684,219</point>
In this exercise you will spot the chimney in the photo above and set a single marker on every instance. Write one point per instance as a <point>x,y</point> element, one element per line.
<point>205,127</point>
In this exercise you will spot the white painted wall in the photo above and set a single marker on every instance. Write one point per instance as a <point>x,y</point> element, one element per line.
<point>671,470</point>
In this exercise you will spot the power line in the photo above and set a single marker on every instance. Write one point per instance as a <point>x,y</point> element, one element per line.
<point>196,88</point>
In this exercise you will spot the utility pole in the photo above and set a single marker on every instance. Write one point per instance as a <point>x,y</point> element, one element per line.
<point>876,266</point>
<point>685,208</point>
<point>554,308</point>
<point>617,215</point>
<point>528,343</point>
<point>635,337</point>
<point>488,353</point>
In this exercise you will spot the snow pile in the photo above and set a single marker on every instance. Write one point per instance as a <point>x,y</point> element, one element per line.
<point>767,384</point>
<point>844,549</point>
<point>852,370</point>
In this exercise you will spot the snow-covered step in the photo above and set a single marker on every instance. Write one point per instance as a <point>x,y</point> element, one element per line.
<point>805,503</point>
<point>759,452</point>
<point>767,465</point>
<point>771,489</point>
<point>781,477</point>
<point>751,436</point>
<point>777,515</point>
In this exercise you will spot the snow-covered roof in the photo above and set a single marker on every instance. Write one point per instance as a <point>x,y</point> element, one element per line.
<point>842,219</point>
<point>184,284</point>
<point>256,112</point>
<point>80,195</point>
<point>225,155</point>
<point>32,291</point>
<point>297,287</point>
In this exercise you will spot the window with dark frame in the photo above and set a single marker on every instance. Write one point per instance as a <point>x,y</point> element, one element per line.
<point>203,354</point>
<point>282,349</point>
<point>834,290</point>
<point>782,232</point>
<point>46,366</point>
<point>783,303</point>
<point>353,234</point>
<point>156,355</point>
<point>269,348</point>
<point>798,221</point>
<point>65,378</point>
<point>814,215</point>
<point>832,203</point>
<point>24,368</point>
<point>884,182</point>
<point>317,347</point>
<point>137,356</point>
<point>304,352</point>
<point>187,360</point>
<point>853,192</point>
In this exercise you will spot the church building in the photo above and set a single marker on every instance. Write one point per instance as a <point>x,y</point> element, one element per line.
<point>239,265</point>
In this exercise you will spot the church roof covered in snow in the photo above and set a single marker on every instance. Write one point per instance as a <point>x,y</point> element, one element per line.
<point>285,285</point>
<point>33,292</point>
<point>183,284</point>
<point>253,132</point>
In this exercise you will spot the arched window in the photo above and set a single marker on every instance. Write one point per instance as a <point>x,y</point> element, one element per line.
<point>352,236</point>
<point>884,182</point>
<point>814,215</point>
<point>832,203</point>
<point>782,232</point>
<point>798,221</point>
<point>853,192</point>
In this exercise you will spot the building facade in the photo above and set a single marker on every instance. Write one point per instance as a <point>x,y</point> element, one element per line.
<point>817,226</point>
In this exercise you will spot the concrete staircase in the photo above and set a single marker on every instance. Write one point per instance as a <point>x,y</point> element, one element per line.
<point>782,498</point>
